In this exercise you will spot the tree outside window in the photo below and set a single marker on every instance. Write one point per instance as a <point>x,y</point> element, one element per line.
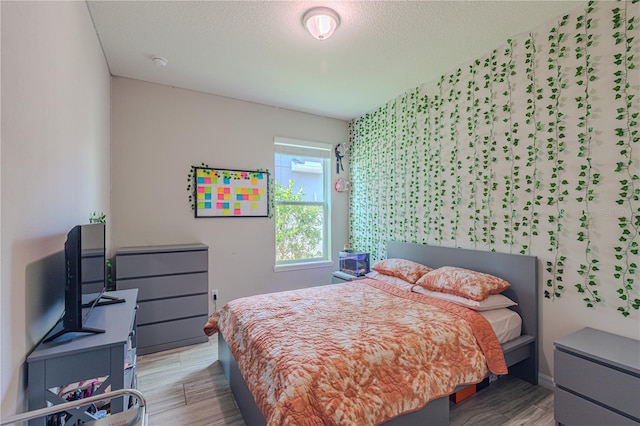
<point>301,205</point>
<point>298,226</point>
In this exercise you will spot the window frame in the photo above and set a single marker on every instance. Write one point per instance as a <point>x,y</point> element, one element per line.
<point>285,146</point>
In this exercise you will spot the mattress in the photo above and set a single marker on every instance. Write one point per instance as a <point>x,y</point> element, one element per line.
<point>506,323</point>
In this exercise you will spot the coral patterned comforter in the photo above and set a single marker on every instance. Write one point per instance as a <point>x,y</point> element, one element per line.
<point>361,352</point>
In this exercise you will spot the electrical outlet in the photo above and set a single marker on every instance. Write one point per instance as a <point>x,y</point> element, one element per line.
<point>214,294</point>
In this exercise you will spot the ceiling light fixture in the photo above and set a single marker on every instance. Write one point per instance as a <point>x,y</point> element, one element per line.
<point>321,22</point>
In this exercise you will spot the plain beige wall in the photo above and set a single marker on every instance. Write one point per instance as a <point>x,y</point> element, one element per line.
<point>55,166</point>
<point>159,132</point>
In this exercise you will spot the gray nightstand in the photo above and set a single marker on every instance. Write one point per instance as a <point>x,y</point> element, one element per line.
<point>340,277</point>
<point>597,377</point>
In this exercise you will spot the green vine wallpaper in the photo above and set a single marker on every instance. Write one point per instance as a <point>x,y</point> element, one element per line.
<point>532,148</point>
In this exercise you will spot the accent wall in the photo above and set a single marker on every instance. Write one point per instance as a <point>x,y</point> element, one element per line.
<point>531,148</point>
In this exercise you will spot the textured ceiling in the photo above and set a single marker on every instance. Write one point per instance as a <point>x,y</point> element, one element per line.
<point>258,50</point>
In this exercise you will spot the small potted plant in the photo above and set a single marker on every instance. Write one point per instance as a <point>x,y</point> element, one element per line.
<point>97,218</point>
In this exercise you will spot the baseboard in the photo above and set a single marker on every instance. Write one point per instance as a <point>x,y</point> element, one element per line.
<point>545,381</point>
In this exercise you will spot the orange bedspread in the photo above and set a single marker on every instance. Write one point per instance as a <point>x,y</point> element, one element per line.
<point>361,352</point>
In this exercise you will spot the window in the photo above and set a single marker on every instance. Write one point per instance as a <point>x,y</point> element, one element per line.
<point>302,207</point>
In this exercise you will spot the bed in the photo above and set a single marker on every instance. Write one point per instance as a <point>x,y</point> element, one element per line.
<point>520,353</point>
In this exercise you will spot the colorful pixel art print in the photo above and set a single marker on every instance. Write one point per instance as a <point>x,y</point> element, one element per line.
<point>231,193</point>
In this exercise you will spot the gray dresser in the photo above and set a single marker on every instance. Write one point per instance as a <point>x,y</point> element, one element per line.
<point>172,283</point>
<point>597,378</point>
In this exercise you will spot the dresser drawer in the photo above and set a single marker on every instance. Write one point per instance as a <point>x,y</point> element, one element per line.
<point>172,331</point>
<point>152,264</point>
<point>166,286</point>
<point>586,378</point>
<point>169,309</point>
<point>571,410</point>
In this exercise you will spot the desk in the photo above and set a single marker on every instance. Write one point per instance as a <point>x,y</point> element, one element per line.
<point>86,357</point>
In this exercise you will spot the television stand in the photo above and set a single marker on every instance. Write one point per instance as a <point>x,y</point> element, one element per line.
<point>111,354</point>
<point>108,300</point>
<point>85,330</point>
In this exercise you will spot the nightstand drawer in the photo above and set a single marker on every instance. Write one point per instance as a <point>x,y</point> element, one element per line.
<point>586,378</point>
<point>571,410</point>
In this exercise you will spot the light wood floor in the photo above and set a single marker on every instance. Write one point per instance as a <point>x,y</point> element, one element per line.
<point>186,386</point>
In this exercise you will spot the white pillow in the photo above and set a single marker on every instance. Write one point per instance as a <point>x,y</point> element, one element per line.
<point>390,279</point>
<point>494,301</point>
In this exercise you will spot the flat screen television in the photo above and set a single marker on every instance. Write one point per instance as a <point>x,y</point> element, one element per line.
<point>86,278</point>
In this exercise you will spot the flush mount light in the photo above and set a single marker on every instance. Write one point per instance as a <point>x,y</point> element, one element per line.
<point>321,22</point>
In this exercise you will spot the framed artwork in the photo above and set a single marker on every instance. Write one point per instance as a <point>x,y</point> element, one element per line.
<point>231,193</point>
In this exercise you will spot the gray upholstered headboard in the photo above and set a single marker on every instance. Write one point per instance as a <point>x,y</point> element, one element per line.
<point>519,270</point>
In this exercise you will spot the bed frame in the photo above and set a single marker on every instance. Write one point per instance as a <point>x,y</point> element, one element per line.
<point>521,353</point>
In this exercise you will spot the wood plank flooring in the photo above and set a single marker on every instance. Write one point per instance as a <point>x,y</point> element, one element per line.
<point>186,386</point>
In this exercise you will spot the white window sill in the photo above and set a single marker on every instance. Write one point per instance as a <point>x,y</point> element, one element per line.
<point>306,265</point>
